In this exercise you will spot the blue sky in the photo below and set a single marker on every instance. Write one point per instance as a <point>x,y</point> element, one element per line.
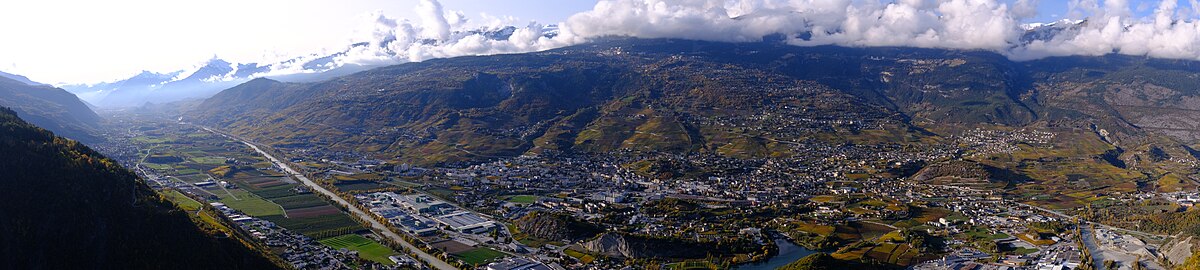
<point>1053,10</point>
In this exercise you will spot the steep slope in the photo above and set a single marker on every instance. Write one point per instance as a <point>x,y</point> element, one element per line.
<point>256,97</point>
<point>51,108</point>
<point>595,98</point>
<point>740,100</point>
<point>68,207</point>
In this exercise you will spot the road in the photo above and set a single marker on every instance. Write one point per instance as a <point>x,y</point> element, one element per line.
<point>1069,218</point>
<point>376,225</point>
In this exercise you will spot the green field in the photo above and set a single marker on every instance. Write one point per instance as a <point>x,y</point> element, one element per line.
<point>526,199</point>
<point>275,191</point>
<point>479,256</point>
<point>157,167</point>
<point>183,201</point>
<point>583,258</point>
<point>979,233</point>
<point>249,203</point>
<point>367,248</point>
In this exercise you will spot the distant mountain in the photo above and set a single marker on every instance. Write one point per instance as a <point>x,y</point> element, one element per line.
<point>68,207</point>
<point>19,78</point>
<point>1049,31</point>
<point>51,108</point>
<point>215,75</point>
<point>676,96</point>
<point>149,87</point>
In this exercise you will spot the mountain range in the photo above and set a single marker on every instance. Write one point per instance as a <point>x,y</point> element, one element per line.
<point>216,74</point>
<point>692,96</point>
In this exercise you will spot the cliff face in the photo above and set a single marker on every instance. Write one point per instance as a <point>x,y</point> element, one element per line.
<point>612,245</point>
<point>631,246</point>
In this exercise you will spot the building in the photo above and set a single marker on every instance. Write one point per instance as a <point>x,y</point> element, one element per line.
<point>414,225</point>
<point>465,222</point>
<point>420,203</point>
<point>517,264</point>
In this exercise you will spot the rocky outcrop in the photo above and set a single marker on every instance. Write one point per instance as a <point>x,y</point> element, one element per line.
<point>1178,252</point>
<point>620,245</point>
<point>965,169</point>
<point>556,227</point>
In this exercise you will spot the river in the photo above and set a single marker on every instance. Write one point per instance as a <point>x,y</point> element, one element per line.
<point>788,253</point>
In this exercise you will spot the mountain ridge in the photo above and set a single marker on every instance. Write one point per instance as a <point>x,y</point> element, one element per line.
<point>606,96</point>
<point>51,108</point>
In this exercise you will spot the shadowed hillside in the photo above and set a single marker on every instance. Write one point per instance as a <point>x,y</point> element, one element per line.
<point>68,207</point>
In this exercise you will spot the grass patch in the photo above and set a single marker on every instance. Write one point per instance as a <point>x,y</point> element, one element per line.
<point>249,203</point>
<point>367,248</point>
<point>183,201</point>
<point>525,199</point>
<point>981,233</point>
<point>158,167</point>
<point>582,257</point>
<point>479,256</point>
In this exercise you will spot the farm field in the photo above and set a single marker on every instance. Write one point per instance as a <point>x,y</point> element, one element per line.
<point>318,226</point>
<point>260,190</point>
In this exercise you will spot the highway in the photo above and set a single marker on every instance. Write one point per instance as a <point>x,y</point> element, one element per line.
<point>431,260</point>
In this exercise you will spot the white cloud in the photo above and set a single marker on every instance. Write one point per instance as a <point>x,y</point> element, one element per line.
<point>992,25</point>
<point>434,19</point>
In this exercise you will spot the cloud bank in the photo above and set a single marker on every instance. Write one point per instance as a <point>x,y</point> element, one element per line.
<point>1098,27</point>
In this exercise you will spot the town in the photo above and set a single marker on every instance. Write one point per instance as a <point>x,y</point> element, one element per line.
<point>845,200</point>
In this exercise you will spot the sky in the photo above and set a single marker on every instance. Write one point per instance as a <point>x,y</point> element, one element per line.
<point>82,41</point>
<point>86,41</point>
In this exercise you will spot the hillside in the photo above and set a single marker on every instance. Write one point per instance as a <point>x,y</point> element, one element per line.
<point>68,207</point>
<point>18,78</point>
<point>738,100</point>
<point>50,108</point>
